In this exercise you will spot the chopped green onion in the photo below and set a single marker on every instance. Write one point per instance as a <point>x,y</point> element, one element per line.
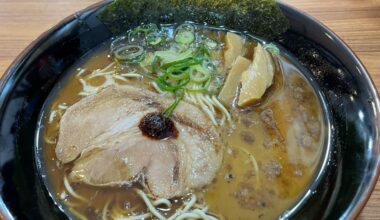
<point>167,86</point>
<point>182,63</point>
<point>181,47</point>
<point>198,74</point>
<point>169,111</point>
<point>184,37</point>
<point>202,53</point>
<point>169,56</point>
<point>210,44</point>
<point>181,71</point>
<point>184,34</point>
<point>185,27</point>
<point>118,42</point>
<point>146,64</point>
<point>186,66</point>
<point>146,28</point>
<point>153,39</point>
<point>177,74</point>
<point>129,54</point>
<point>140,33</point>
<point>190,61</point>
<point>155,64</point>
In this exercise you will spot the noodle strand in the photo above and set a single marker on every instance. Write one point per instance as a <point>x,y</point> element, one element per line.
<point>71,190</point>
<point>150,206</point>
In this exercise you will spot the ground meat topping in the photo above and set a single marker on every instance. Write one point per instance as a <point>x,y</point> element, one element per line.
<point>249,198</point>
<point>247,137</point>
<point>268,118</point>
<point>272,169</point>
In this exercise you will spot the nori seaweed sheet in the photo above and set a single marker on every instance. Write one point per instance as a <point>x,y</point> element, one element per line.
<point>325,68</point>
<point>262,18</point>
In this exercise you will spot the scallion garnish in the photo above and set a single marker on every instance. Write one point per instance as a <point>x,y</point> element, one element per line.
<point>185,34</point>
<point>185,67</point>
<point>169,111</point>
<point>198,74</point>
<point>185,37</point>
<point>154,39</point>
<point>177,74</point>
<point>129,54</point>
<point>146,28</point>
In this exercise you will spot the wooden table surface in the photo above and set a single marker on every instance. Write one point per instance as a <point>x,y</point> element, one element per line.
<point>356,21</point>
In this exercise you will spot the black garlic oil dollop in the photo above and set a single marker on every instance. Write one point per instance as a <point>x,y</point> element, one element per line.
<point>157,126</point>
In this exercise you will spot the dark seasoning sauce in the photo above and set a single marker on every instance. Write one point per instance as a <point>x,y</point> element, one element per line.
<point>285,135</point>
<point>157,126</point>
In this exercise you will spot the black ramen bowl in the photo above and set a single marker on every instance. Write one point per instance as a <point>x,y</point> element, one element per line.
<point>341,187</point>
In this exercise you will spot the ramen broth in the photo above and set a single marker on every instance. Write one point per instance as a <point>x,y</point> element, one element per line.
<point>270,155</point>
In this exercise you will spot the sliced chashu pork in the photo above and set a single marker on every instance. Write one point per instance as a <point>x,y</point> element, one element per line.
<point>101,135</point>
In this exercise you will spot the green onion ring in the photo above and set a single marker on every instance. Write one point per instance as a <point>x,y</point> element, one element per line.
<point>155,64</point>
<point>184,34</point>
<point>146,28</point>
<point>154,39</point>
<point>129,53</point>
<point>166,86</point>
<point>182,63</point>
<point>118,42</point>
<point>181,74</point>
<point>184,37</point>
<point>204,75</point>
<point>185,27</point>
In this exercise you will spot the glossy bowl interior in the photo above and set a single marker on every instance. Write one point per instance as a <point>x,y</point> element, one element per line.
<point>342,187</point>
